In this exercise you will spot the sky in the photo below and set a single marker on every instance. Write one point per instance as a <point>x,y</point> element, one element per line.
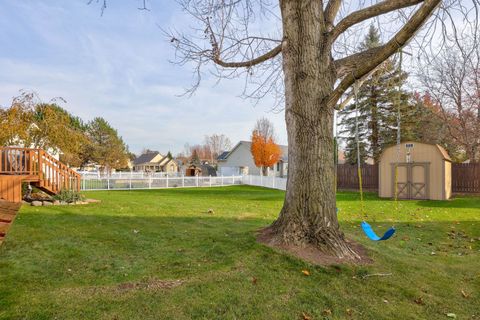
<point>117,66</point>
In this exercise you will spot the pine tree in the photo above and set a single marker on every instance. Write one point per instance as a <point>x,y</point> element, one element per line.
<point>377,101</point>
<point>195,159</point>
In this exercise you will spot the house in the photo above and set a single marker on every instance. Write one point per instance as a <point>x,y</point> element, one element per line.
<point>205,170</point>
<point>153,161</point>
<point>239,161</point>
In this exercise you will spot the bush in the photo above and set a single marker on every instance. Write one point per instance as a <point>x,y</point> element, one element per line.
<point>69,196</point>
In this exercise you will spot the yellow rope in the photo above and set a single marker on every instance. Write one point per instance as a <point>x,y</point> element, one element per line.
<point>360,183</point>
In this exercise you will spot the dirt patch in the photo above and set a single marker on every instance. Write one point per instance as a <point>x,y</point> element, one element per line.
<point>127,287</point>
<point>311,253</point>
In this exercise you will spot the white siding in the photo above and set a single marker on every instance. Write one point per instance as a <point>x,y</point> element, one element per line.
<point>240,157</point>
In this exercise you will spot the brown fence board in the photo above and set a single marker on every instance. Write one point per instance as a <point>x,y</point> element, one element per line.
<point>347,176</point>
<point>466,177</point>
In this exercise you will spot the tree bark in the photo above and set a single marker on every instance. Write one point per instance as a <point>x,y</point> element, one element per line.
<point>308,216</point>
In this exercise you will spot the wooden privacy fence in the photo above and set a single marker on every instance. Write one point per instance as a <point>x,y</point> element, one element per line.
<point>466,177</point>
<point>347,176</point>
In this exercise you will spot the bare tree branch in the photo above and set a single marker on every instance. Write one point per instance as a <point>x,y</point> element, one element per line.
<point>249,63</point>
<point>370,12</point>
<point>369,60</point>
<point>331,12</point>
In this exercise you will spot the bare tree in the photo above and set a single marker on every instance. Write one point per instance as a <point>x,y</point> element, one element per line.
<point>303,55</point>
<point>452,80</point>
<point>264,128</point>
<point>313,83</point>
<point>217,143</point>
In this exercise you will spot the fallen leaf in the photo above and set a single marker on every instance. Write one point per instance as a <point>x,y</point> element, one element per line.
<point>464,294</point>
<point>349,311</point>
<point>305,272</point>
<point>327,312</point>
<point>254,280</point>
<point>306,316</point>
<point>419,301</point>
<point>452,315</point>
<point>385,300</point>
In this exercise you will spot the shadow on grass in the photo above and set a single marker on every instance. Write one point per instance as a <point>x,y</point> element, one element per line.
<point>60,249</point>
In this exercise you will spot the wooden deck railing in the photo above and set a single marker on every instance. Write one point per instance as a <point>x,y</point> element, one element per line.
<point>38,164</point>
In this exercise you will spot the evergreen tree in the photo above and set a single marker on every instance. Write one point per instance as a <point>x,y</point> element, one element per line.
<point>195,160</point>
<point>169,155</point>
<point>377,101</point>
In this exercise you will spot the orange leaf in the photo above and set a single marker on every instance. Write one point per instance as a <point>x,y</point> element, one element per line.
<point>305,272</point>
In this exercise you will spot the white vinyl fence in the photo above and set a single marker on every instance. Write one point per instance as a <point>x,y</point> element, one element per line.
<point>266,181</point>
<point>129,183</point>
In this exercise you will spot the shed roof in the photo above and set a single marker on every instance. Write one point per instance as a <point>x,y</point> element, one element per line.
<point>440,149</point>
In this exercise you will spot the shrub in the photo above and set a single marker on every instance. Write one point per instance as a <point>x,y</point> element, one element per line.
<point>69,196</point>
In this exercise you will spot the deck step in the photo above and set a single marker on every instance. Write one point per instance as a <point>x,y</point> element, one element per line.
<point>8,212</point>
<point>4,226</point>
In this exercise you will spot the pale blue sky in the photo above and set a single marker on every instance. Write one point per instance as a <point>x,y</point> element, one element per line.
<point>116,66</point>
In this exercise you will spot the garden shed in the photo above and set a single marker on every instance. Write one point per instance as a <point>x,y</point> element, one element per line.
<point>424,172</point>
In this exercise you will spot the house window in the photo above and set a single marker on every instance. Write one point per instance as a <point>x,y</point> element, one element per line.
<point>278,166</point>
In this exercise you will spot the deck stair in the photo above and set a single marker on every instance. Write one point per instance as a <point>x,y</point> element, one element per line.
<point>40,169</point>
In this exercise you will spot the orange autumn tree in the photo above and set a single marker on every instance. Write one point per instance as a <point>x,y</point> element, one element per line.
<point>264,150</point>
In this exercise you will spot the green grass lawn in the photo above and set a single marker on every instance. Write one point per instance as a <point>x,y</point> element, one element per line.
<point>119,260</point>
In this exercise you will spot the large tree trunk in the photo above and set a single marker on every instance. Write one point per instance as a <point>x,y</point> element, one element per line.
<point>308,216</point>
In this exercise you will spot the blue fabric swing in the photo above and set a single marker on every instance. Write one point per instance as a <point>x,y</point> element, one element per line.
<point>373,236</point>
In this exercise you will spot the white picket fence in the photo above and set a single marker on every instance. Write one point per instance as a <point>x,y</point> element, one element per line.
<point>129,183</point>
<point>127,175</point>
<point>266,181</point>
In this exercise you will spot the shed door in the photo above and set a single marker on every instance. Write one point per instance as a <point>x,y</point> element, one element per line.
<point>412,180</point>
<point>418,181</point>
<point>402,182</point>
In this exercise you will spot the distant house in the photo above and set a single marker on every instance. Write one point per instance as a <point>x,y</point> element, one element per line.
<point>205,169</point>
<point>239,161</point>
<point>154,161</point>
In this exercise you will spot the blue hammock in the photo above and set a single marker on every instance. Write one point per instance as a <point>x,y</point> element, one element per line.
<point>373,236</point>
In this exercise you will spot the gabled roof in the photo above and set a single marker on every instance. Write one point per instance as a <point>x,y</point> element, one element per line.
<point>223,155</point>
<point>226,154</point>
<point>145,158</point>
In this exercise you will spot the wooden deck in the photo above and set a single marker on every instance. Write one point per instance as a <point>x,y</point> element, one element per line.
<point>35,166</point>
<point>8,212</point>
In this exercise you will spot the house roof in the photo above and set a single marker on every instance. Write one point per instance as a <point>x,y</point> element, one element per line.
<point>145,158</point>
<point>224,155</point>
